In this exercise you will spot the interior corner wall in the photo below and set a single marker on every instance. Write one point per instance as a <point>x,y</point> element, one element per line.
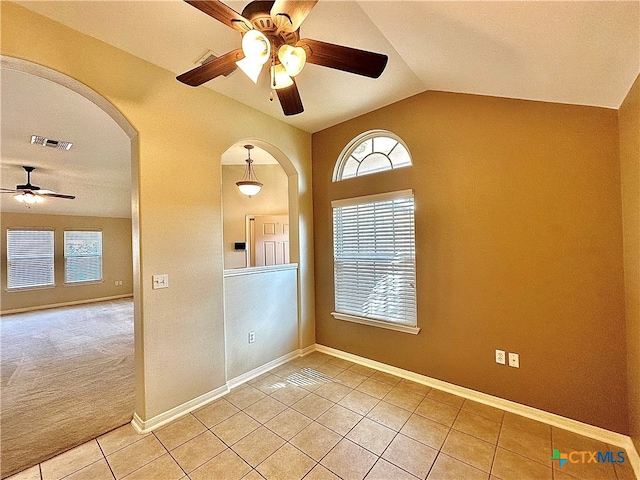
<point>519,247</point>
<point>117,260</point>
<point>273,199</point>
<point>629,124</point>
<point>181,130</point>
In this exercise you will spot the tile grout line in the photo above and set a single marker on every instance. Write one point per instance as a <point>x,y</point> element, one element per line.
<point>105,458</point>
<point>495,453</point>
<point>380,400</point>
<point>329,380</point>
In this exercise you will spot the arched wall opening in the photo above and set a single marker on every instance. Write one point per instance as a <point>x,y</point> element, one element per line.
<point>255,227</point>
<point>279,287</point>
<point>25,67</point>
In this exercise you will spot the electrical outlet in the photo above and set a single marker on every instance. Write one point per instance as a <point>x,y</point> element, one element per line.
<point>500,357</point>
<point>514,360</point>
<point>252,337</point>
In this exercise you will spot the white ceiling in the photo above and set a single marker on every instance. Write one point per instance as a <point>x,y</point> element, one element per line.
<point>97,169</point>
<point>237,155</point>
<point>575,52</point>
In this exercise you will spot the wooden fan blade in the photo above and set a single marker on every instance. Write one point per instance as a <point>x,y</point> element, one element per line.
<point>57,195</point>
<point>7,190</point>
<point>290,100</point>
<point>347,59</point>
<point>222,65</point>
<point>288,15</point>
<point>222,13</point>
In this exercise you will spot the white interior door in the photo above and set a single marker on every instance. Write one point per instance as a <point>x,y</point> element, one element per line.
<point>271,240</point>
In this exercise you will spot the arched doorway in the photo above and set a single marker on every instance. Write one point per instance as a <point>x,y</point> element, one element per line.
<point>84,94</point>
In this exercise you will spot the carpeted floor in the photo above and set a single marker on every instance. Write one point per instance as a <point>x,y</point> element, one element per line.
<point>66,377</point>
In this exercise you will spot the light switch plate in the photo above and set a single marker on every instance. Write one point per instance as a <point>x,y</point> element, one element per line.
<point>161,281</point>
<point>514,360</point>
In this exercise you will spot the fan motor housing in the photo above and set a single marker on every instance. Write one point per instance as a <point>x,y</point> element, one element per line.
<point>259,14</point>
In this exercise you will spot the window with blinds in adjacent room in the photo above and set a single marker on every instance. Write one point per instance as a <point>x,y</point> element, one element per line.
<point>82,256</point>
<point>30,259</point>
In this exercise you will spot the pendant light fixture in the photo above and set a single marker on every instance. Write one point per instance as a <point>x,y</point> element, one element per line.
<point>249,185</point>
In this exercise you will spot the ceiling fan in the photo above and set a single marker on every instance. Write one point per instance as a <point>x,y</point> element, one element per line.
<point>271,33</point>
<point>30,194</point>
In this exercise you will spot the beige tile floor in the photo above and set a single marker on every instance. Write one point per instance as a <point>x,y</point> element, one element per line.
<point>322,418</point>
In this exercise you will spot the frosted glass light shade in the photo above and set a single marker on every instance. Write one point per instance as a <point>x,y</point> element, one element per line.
<point>28,198</point>
<point>249,188</point>
<point>250,67</point>
<point>293,59</point>
<point>256,46</point>
<point>279,77</point>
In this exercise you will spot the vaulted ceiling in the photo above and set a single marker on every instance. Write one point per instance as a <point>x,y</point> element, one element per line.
<point>574,52</point>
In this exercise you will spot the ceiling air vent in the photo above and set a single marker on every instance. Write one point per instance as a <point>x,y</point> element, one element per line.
<point>47,142</point>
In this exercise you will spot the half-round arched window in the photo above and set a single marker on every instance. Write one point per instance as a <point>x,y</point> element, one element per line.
<point>371,152</point>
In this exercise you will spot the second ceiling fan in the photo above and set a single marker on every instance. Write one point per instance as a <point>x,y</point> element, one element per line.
<point>271,35</point>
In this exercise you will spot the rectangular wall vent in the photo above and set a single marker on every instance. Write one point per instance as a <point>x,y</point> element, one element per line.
<point>47,142</point>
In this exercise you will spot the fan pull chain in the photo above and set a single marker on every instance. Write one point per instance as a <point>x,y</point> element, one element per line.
<point>273,78</point>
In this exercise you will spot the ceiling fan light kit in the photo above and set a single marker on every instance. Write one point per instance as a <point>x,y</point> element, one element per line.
<point>29,194</point>
<point>28,198</point>
<point>249,185</point>
<point>271,32</point>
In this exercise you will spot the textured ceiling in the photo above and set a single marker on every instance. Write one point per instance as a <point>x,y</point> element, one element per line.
<point>97,169</point>
<point>575,52</point>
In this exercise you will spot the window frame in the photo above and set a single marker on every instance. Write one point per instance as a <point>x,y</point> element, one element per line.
<point>389,323</point>
<point>53,261</point>
<point>64,255</point>
<point>350,148</point>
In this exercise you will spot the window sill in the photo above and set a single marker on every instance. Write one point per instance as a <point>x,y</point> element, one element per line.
<point>85,282</point>
<point>25,289</point>
<point>398,327</point>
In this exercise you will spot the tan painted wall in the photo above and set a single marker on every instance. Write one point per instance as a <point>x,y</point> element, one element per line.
<point>629,121</point>
<point>519,247</point>
<point>180,130</point>
<point>273,199</point>
<point>116,260</point>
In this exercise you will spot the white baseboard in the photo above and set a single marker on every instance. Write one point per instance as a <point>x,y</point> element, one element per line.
<point>256,372</point>
<point>597,433</point>
<point>307,350</point>
<point>64,304</point>
<point>145,426</point>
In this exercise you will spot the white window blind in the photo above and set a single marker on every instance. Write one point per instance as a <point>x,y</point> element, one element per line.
<point>30,258</point>
<point>374,257</point>
<point>82,256</point>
